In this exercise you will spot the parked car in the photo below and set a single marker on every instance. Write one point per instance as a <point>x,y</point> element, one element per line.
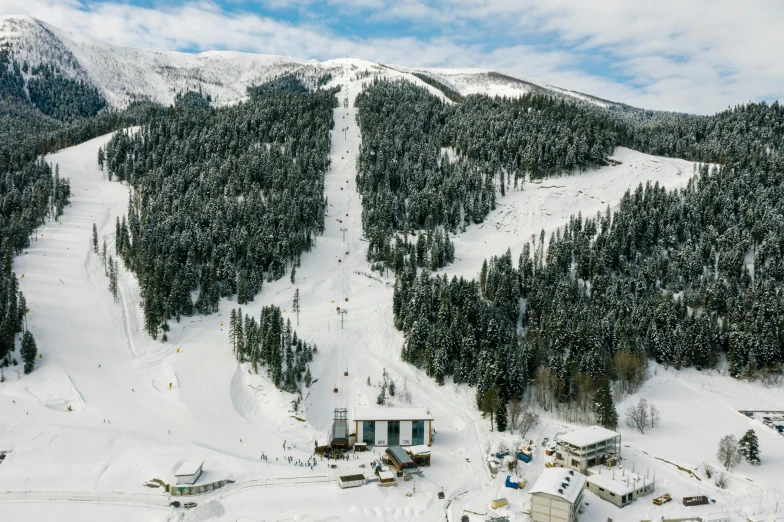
<point>189,505</point>
<point>174,503</point>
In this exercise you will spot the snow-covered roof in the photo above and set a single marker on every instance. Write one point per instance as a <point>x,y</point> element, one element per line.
<point>625,481</point>
<point>386,475</point>
<point>387,414</point>
<point>420,449</point>
<point>587,436</point>
<point>190,467</point>
<point>551,482</point>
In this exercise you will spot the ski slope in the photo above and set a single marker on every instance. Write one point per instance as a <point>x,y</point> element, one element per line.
<point>98,361</point>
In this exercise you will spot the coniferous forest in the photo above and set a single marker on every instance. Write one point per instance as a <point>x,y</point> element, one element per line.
<point>688,278</point>
<point>221,200</point>
<point>274,345</point>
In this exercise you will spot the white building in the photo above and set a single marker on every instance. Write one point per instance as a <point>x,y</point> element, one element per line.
<point>393,426</point>
<point>557,496</point>
<point>585,448</point>
<point>189,472</point>
<point>618,486</point>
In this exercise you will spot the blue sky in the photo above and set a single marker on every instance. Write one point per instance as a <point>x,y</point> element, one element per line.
<point>696,56</point>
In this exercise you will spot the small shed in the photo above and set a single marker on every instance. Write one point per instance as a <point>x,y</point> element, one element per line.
<point>189,472</point>
<point>351,481</point>
<point>420,454</point>
<point>499,502</point>
<point>386,479</point>
<point>695,501</point>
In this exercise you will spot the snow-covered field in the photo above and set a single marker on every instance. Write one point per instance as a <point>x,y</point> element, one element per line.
<point>128,426</point>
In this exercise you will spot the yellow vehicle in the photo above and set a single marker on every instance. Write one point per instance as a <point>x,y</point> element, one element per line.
<point>662,499</point>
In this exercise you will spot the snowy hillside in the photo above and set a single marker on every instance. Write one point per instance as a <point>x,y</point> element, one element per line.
<point>124,73</point>
<point>108,410</point>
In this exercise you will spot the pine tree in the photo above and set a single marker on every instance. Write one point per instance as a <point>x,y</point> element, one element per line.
<point>95,239</point>
<point>382,397</point>
<point>103,256</point>
<point>296,304</point>
<point>29,351</point>
<point>101,157</point>
<point>308,378</point>
<point>501,418</point>
<point>483,276</point>
<point>604,407</point>
<point>489,404</point>
<point>392,388</point>
<point>749,448</point>
<point>293,273</point>
<point>113,277</point>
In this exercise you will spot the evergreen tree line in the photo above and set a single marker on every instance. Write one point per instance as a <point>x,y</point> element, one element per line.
<point>222,199</point>
<point>686,277</point>
<point>47,89</point>
<point>451,330</point>
<point>274,345</point>
<point>667,276</point>
<point>409,181</point>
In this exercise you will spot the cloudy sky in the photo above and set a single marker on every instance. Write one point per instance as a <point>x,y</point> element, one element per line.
<point>693,55</point>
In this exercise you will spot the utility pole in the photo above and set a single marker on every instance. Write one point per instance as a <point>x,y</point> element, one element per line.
<point>344,233</point>
<point>342,313</point>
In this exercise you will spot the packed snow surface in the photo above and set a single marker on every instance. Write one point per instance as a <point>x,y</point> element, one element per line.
<point>108,410</point>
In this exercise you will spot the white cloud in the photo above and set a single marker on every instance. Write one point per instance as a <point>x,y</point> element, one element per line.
<point>698,56</point>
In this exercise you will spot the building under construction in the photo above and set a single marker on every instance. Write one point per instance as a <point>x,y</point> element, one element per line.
<point>618,485</point>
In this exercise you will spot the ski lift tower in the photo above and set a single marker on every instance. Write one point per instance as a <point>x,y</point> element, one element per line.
<point>340,429</point>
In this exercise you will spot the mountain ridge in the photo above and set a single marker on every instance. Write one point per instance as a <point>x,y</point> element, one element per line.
<point>124,74</point>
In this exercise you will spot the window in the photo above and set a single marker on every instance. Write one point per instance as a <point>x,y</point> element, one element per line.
<point>601,489</point>
<point>612,494</point>
<point>369,432</point>
<point>417,432</point>
<point>575,463</point>
<point>393,433</point>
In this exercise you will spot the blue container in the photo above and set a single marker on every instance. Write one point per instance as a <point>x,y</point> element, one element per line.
<point>510,484</point>
<point>524,457</point>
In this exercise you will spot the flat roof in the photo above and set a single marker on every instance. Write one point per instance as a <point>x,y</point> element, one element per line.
<point>625,481</point>
<point>387,414</point>
<point>551,481</point>
<point>386,475</point>
<point>419,449</point>
<point>190,467</point>
<point>352,478</point>
<point>587,436</point>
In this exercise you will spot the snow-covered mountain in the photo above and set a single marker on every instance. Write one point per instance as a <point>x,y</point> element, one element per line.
<point>125,73</point>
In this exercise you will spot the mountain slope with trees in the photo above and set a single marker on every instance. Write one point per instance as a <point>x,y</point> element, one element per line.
<point>221,199</point>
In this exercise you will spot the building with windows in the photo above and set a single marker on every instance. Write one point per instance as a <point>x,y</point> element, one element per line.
<point>393,426</point>
<point>618,486</point>
<point>588,447</point>
<point>557,496</point>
